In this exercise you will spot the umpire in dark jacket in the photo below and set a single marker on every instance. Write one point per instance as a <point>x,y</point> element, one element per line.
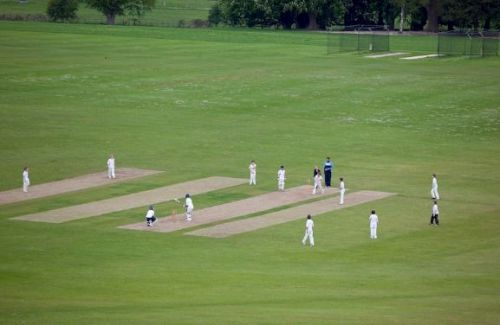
<point>328,169</point>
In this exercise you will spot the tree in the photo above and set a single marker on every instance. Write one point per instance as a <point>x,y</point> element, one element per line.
<point>313,14</point>
<point>405,7</point>
<point>62,9</point>
<point>434,9</point>
<point>113,8</point>
<point>215,14</point>
<point>317,13</point>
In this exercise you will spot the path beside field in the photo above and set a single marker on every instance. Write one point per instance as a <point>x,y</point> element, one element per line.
<point>233,209</point>
<point>384,55</point>
<point>72,184</point>
<point>419,57</point>
<point>141,199</point>
<point>295,213</point>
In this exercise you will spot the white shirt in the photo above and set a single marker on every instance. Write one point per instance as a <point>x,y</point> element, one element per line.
<point>434,183</point>
<point>317,180</point>
<point>252,168</point>
<point>189,203</point>
<point>281,174</point>
<point>150,214</point>
<point>25,176</point>
<point>373,220</point>
<point>309,225</point>
<point>111,163</point>
<point>342,186</point>
<point>435,210</point>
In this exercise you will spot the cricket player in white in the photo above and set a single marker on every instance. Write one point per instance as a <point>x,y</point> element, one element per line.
<point>373,225</point>
<point>150,216</point>
<point>342,190</point>
<point>281,178</point>
<point>309,231</point>
<point>26,179</point>
<point>435,214</point>
<point>189,208</point>
<point>318,180</point>
<point>253,172</point>
<point>111,167</point>
<point>434,190</point>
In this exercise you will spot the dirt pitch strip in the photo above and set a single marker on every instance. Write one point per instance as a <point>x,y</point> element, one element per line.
<point>141,199</point>
<point>232,210</point>
<point>73,184</point>
<point>295,213</point>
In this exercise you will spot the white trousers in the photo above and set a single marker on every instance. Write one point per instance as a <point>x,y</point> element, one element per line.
<point>373,232</point>
<point>253,178</point>
<point>310,235</point>
<point>111,172</point>
<point>342,196</point>
<point>26,183</point>
<point>281,184</point>
<point>189,214</point>
<point>435,194</point>
<point>318,187</point>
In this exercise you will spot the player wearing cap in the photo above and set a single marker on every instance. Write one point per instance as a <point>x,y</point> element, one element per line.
<point>189,207</point>
<point>281,178</point>
<point>309,231</point>
<point>253,172</point>
<point>373,225</point>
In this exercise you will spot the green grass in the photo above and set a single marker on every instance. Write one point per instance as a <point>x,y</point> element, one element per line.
<point>165,12</point>
<point>197,103</point>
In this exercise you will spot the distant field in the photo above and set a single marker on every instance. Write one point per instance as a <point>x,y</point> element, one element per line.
<point>166,12</point>
<point>204,102</point>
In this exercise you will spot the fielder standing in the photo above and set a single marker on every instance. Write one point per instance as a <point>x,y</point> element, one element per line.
<point>26,179</point>
<point>189,207</point>
<point>373,225</point>
<point>281,178</point>
<point>253,172</point>
<point>328,169</point>
<point>309,231</point>
<point>434,190</point>
<point>435,214</point>
<point>342,190</point>
<point>111,167</point>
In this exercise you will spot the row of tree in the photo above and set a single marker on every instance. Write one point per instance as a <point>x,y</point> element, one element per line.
<point>425,15</point>
<point>66,9</point>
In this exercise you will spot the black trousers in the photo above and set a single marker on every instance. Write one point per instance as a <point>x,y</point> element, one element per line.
<point>328,178</point>
<point>435,219</point>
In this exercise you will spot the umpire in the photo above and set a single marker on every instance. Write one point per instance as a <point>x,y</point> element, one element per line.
<point>328,169</point>
<point>435,214</point>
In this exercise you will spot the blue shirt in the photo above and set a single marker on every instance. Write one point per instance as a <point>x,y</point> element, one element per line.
<point>328,166</point>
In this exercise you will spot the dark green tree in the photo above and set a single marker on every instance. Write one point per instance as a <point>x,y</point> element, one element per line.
<point>471,14</point>
<point>61,10</point>
<point>215,14</point>
<point>113,8</point>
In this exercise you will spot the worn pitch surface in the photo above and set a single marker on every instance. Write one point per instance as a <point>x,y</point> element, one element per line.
<point>73,184</point>
<point>135,200</point>
<point>282,216</point>
<point>233,209</point>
